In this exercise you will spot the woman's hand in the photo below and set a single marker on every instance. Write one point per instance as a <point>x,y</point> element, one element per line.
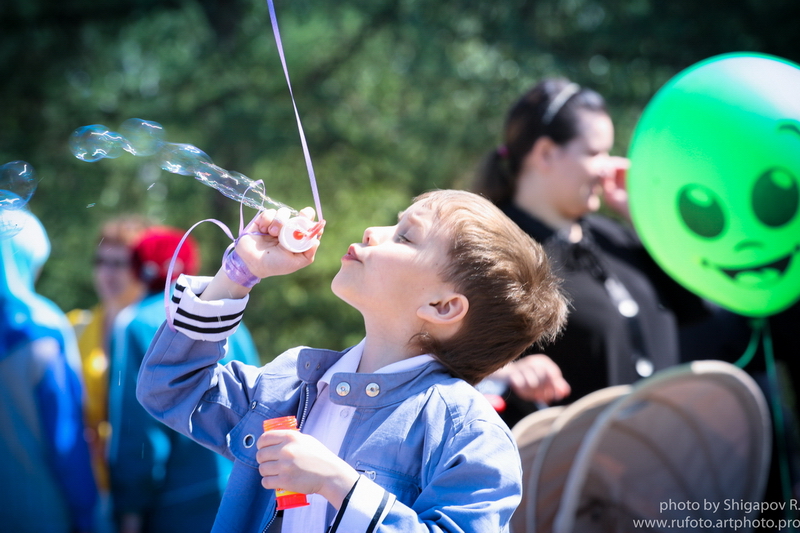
<point>297,462</point>
<point>535,378</point>
<point>615,194</point>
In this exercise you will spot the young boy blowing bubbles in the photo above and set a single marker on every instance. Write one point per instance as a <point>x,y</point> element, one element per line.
<point>393,436</point>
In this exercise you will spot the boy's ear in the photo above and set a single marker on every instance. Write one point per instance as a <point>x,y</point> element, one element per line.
<point>448,310</point>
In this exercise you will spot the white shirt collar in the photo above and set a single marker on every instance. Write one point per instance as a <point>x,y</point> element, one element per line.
<point>352,358</point>
<point>405,364</point>
<point>347,363</point>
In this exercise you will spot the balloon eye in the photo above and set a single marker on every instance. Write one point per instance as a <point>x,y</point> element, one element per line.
<point>701,211</point>
<point>775,197</point>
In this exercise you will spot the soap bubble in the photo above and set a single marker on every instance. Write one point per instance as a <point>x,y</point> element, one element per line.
<point>17,185</point>
<point>183,159</point>
<point>19,179</point>
<point>12,216</point>
<point>145,138</point>
<point>234,185</point>
<point>11,201</point>
<point>96,142</point>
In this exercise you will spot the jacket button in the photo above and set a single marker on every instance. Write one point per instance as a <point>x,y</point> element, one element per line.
<point>373,389</point>
<point>343,388</point>
<point>248,441</point>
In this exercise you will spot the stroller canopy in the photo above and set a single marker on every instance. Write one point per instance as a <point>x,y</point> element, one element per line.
<point>687,448</point>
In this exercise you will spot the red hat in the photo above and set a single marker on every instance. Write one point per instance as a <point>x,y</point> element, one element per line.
<point>154,250</point>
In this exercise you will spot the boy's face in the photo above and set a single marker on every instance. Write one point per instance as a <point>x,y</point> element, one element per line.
<point>395,269</point>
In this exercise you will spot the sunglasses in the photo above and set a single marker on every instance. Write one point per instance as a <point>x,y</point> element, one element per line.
<point>111,263</point>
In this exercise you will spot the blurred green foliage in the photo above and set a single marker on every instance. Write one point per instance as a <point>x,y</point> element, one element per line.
<point>396,97</point>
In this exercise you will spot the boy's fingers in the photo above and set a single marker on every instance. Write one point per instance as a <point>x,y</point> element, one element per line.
<point>281,216</point>
<point>268,470</point>
<point>311,252</point>
<point>308,212</point>
<point>271,438</point>
<point>261,221</point>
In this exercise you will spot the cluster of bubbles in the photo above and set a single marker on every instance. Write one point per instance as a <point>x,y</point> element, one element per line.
<point>17,185</point>
<point>145,138</point>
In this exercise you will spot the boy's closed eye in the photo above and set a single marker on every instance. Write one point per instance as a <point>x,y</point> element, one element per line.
<point>405,231</point>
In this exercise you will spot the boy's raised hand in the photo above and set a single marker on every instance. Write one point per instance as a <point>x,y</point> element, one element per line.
<point>261,251</point>
<point>262,254</point>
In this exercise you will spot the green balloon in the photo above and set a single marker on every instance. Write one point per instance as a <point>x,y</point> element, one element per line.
<point>714,181</point>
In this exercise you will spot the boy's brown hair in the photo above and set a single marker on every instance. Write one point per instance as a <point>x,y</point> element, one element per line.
<point>515,300</point>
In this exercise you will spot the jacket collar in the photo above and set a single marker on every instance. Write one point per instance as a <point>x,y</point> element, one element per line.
<point>367,390</point>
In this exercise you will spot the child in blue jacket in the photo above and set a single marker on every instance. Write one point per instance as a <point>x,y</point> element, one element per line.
<point>393,437</point>
<point>45,471</point>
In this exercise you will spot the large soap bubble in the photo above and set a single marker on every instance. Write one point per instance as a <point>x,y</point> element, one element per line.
<point>145,138</point>
<point>17,185</point>
<point>18,178</point>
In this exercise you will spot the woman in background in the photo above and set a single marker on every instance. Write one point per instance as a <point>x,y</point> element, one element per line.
<point>549,176</point>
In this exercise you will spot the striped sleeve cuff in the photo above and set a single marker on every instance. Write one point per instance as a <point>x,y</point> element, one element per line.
<point>200,319</point>
<point>364,508</point>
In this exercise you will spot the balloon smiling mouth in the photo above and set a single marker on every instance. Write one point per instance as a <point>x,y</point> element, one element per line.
<point>759,275</point>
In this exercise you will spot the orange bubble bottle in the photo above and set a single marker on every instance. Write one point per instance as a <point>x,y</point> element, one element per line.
<point>286,499</point>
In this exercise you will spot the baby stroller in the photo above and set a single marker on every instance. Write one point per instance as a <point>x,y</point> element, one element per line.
<point>687,448</point>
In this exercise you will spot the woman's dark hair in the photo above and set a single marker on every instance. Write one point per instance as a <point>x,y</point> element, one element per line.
<point>549,109</point>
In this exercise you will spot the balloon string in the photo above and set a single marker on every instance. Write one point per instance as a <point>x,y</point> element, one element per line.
<point>777,417</point>
<point>758,327</point>
<point>311,177</point>
<point>761,332</point>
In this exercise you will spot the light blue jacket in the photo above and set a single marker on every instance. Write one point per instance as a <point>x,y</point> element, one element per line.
<point>433,454</point>
<point>46,477</point>
<point>168,479</point>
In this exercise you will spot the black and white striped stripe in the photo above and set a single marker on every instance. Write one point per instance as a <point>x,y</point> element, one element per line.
<point>363,509</point>
<point>199,319</point>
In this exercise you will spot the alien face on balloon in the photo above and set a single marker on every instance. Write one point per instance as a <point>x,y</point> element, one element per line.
<point>715,182</point>
<point>773,199</point>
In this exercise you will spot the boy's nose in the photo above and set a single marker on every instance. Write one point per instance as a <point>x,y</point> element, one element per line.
<point>369,236</point>
<point>373,236</point>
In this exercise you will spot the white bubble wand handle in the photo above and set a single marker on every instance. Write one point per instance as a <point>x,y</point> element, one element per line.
<point>298,234</point>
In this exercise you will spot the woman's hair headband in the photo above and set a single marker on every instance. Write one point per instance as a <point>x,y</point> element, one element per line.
<point>558,102</point>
